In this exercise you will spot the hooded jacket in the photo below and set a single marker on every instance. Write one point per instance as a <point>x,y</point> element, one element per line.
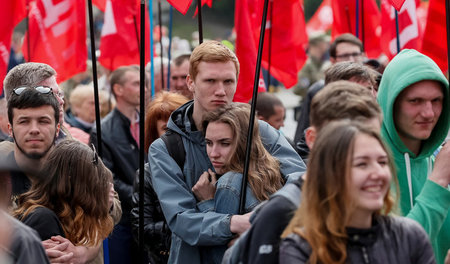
<point>194,231</point>
<point>420,199</point>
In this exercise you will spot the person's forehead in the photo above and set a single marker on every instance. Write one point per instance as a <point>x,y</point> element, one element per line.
<point>422,88</point>
<point>131,75</point>
<point>51,82</point>
<point>347,46</point>
<point>183,68</point>
<point>211,66</point>
<point>35,112</point>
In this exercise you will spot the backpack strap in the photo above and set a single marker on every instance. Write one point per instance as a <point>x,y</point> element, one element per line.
<point>175,147</point>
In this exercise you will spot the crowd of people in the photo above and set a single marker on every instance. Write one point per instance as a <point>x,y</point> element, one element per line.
<point>365,179</point>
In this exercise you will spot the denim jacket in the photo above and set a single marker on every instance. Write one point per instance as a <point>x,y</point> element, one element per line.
<point>194,230</point>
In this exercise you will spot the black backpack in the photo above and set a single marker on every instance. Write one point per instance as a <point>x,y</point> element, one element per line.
<point>175,147</point>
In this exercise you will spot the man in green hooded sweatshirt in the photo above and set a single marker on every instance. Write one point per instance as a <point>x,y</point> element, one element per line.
<point>414,98</point>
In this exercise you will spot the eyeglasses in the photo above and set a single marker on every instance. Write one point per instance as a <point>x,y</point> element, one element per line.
<point>41,89</point>
<point>348,55</point>
<point>95,159</point>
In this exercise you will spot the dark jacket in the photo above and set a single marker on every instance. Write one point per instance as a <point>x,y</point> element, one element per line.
<point>389,240</point>
<point>120,155</point>
<point>70,119</point>
<point>156,231</point>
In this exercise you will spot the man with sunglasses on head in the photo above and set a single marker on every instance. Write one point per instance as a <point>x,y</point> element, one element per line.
<point>35,112</point>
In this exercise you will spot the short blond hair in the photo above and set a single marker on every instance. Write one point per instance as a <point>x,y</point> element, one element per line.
<point>211,51</point>
<point>80,94</point>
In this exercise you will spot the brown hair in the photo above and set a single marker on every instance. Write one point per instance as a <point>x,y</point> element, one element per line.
<point>117,76</point>
<point>26,74</point>
<point>345,38</point>
<point>343,99</point>
<point>265,104</point>
<point>211,51</point>
<point>160,108</point>
<point>322,217</point>
<point>347,70</point>
<point>75,185</point>
<point>264,176</point>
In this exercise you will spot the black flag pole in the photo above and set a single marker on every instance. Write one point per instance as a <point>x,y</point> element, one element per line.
<point>447,18</point>
<point>362,25</point>
<point>28,30</point>
<point>161,43</point>
<point>141,133</point>
<point>270,45</point>
<point>253,110</point>
<point>397,31</point>
<point>200,24</point>
<point>95,80</point>
<point>357,19</point>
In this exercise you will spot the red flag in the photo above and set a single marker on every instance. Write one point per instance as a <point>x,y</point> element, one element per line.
<point>207,2</point>
<point>57,33</point>
<point>397,4</point>
<point>100,4</point>
<point>344,21</point>
<point>181,5</point>
<point>12,13</point>
<point>409,31</point>
<point>288,40</point>
<point>119,43</point>
<point>322,18</point>
<point>247,19</point>
<point>434,38</point>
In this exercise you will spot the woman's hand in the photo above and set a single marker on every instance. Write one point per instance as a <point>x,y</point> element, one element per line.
<point>205,188</point>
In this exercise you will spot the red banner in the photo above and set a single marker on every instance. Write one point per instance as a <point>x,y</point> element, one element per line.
<point>434,42</point>
<point>100,4</point>
<point>397,4</point>
<point>246,22</point>
<point>181,5</point>
<point>322,18</point>
<point>57,33</point>
<point>409,31</point>
<point>12,12</point>
<point>344,21</point>
<point>120,41</point>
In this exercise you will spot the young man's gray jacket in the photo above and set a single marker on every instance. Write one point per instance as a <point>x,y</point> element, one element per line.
<point>193,230</point>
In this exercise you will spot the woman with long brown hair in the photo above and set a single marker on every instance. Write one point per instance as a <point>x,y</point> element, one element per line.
<point>226,131</point>
<point>343,216</point>
<point>71,196</point>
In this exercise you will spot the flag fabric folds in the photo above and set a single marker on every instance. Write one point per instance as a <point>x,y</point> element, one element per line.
<point>12,13</point>
<point>434,42</point>
<point>322,18</point>
<point>397,4</point>
<point>344,21</point>
<point>287,44</point>
<point>57,36</point>
<point>100,4</point>
<point>119,43</point>
<point>409,31</point>
<point>181,5</point>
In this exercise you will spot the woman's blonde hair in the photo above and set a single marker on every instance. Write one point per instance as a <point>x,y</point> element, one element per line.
<point>326,203</point>
<point>75,185</point>
<point>264,175</point>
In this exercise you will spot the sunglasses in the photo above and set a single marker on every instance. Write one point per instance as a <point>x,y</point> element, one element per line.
<point>41,89</point>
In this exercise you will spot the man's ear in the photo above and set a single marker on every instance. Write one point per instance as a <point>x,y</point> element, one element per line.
<point>310,136</point>
<point>190,83</point>
<point>10,129</point>
<point>117,88</point>
<point>58,126</point>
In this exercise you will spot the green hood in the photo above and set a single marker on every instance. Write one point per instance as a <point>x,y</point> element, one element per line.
<point>407,68</point>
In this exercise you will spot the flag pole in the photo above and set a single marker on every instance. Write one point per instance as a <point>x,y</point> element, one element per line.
<point>169,52</point>
<point>270,45</point>
<point>95,80</point>
<point>349,24</point>
<point>362,25</point>
<point>396,31</point>
<point>357,19</point>
<point>447,18</point>
<point>141,133</point>
<point>97,106</point>
<point>28,30</point>
<point>253,110</point>
<point>200,25</point>
<point>161,44</point>
<point>152,66</point>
